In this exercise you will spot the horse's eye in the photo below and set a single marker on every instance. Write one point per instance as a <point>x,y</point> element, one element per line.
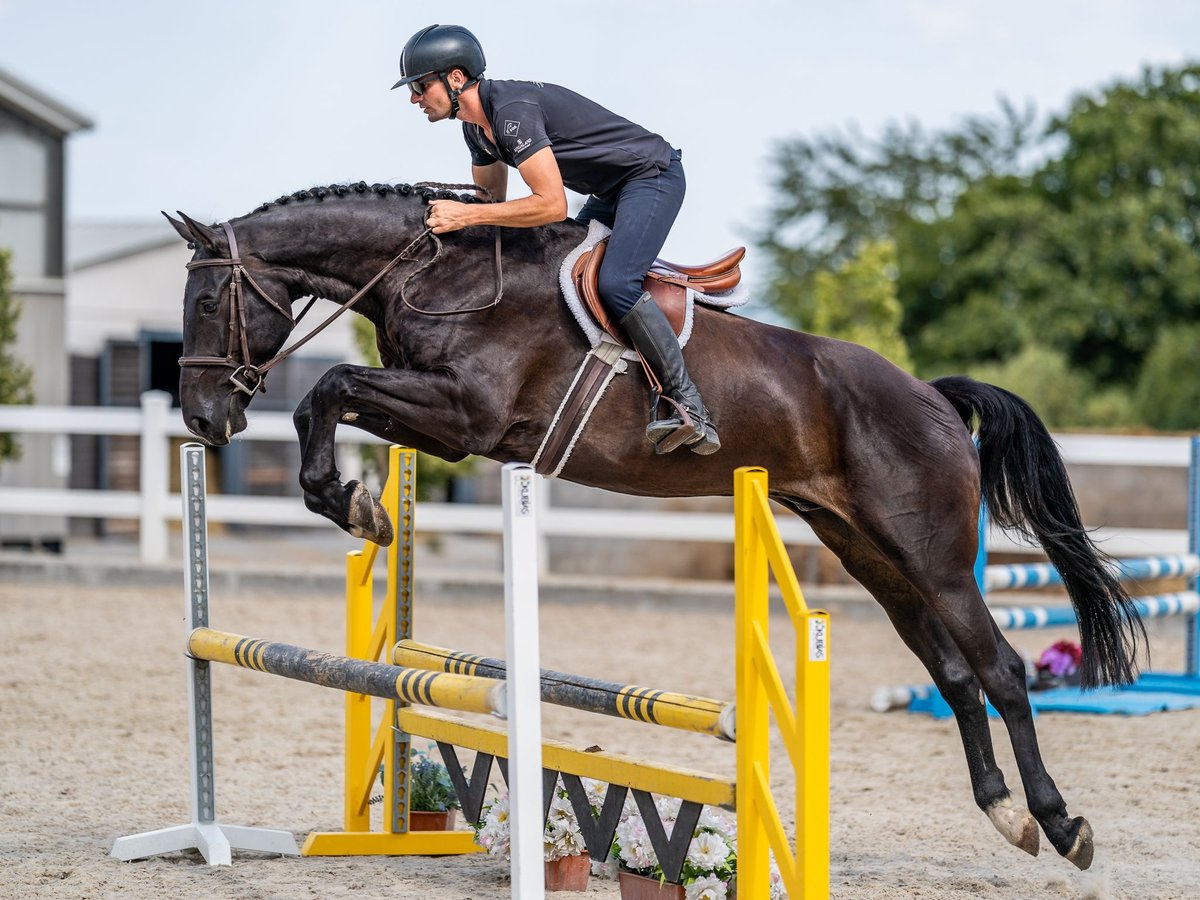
<point>209,307</point>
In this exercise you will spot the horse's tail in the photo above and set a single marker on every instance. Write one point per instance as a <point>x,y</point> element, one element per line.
<point>1025,486</point>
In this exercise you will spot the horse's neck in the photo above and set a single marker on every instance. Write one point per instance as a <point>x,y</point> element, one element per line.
<point>336,256</point>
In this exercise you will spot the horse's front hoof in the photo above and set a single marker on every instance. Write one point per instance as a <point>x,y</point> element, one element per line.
<point>365,518</point>
<point>1016,824</point>
<point>1082,850</point>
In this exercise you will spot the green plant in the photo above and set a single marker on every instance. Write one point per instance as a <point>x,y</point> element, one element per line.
<point>429,785</point>
<point>16,378</point>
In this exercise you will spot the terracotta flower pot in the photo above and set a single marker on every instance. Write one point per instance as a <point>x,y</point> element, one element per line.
<point>639,887</point>
<point>569,873</point>
<point>431,821</point>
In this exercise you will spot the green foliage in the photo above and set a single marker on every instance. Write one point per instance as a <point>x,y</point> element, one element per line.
<point>1072,246</point>
<point>857,302</point>
<point>1063,396</point>
<point>429,785</point>
<point>1168,393</point>
<point>16,378</point>
<point>434,474</point>
<point>838,192</point>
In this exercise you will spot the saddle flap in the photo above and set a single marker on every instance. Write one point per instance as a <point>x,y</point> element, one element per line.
<point>670,296</point>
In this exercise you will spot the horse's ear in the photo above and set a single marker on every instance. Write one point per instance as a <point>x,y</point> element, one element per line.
<point>196,233</point>
<point>179,227</point>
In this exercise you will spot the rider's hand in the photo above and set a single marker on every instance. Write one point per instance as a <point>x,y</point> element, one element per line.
<point>448,215</point>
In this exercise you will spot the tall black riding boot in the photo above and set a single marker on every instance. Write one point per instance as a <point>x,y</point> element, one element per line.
<point>652,336</point>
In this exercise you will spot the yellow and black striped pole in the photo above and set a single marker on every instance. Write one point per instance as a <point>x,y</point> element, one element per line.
<point>461,692</point>
<point>625,701</point>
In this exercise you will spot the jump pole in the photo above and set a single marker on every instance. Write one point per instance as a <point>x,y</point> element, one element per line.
<point>686,712</point>
<point>214,840</point>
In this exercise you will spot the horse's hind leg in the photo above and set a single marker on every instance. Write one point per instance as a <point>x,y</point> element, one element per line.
<point>1002,673</point>
<point>934,548</point>
<point>928,639</point>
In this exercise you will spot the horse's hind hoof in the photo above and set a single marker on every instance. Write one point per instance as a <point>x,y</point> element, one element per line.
<point>1082,850</point>
<point>365,518</point>
<point>1016,824</point>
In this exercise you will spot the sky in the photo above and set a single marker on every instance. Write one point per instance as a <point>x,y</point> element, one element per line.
<point>214,106</point>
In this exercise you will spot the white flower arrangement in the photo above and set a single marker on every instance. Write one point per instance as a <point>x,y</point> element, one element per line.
<point>562,836</point>
<point>708,870</point>
<point>711,863</point>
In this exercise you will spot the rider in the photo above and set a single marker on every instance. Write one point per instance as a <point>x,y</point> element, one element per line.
<point>555,138</point>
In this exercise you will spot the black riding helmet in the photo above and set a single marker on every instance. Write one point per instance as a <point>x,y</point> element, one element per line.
<point>438,49</point>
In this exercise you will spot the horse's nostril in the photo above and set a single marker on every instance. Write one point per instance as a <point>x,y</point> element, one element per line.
<point>198,426</point>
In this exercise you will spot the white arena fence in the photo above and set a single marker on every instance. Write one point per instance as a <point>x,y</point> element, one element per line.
<point>156,507</point>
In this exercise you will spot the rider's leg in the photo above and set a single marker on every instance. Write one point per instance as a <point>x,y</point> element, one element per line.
<point>645,211</point>
<point>655,340</point>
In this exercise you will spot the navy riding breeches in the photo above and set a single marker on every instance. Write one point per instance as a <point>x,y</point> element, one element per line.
<point>640,214</point>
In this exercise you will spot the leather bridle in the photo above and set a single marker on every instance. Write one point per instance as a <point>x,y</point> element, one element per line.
<point>248,377</point>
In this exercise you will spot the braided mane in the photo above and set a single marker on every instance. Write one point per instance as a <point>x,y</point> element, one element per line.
<point>425,190</point>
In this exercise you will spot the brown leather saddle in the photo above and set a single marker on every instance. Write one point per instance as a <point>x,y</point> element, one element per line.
<point>669,290</point>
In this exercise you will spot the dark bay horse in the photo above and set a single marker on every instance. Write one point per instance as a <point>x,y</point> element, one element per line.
<point>880,464</point>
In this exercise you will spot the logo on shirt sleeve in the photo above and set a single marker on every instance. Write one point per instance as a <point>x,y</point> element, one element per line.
<point>511,128</point>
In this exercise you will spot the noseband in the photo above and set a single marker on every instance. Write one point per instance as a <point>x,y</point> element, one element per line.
<point>249,378</point>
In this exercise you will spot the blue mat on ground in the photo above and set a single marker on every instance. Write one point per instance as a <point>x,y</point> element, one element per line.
<point>1153,692</point>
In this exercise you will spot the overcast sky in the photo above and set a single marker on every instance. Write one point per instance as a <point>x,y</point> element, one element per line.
<point>213,107</point>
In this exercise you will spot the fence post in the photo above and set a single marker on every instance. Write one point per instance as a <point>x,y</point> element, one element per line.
<point>154,478</point>
<point>522,641</point>
<point>1191,663</point>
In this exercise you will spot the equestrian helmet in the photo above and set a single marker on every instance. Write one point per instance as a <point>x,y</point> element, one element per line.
<point>440,48</point>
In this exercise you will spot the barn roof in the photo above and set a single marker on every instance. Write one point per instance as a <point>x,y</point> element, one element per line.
<point>39,108</point>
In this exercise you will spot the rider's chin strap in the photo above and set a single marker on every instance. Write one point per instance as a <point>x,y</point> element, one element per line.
<point>454,95</point>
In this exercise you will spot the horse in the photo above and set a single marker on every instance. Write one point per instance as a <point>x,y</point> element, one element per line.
<point>478,348</point>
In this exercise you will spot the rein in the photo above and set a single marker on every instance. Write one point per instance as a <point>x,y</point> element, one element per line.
<point>250,378</point>
<point>438,252</point>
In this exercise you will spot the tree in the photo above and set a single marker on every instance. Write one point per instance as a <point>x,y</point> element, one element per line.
<point>837,192</point>
<point>16,379</point>
<point>1166,398</point>
<point>857,302</point>
<point>1077,239</point>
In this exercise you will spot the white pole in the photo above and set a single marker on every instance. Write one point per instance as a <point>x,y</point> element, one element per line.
<point>524,681</point>
<point>152,528</point>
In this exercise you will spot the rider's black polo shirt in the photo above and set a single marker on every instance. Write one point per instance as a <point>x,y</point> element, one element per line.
<point>596,149</point>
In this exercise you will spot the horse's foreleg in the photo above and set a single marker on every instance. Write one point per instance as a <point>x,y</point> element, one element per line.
<point>926,637</point>
<point>375,401</point>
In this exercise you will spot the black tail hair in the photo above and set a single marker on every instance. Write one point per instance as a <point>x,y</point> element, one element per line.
<point>1026,488</point>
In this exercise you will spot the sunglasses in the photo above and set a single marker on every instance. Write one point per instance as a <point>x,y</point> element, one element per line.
<point>420,86</point>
